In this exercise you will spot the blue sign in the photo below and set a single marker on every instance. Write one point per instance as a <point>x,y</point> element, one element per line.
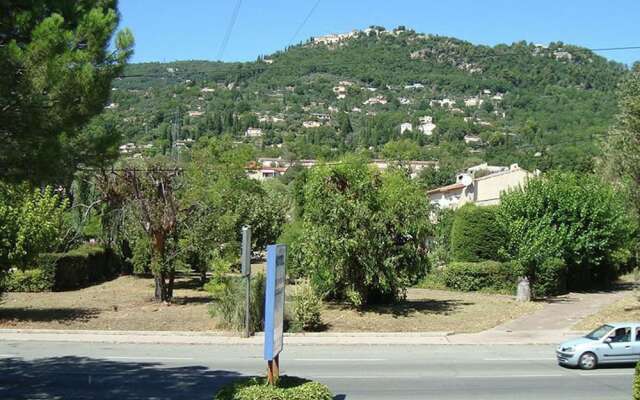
<point>274,301</point>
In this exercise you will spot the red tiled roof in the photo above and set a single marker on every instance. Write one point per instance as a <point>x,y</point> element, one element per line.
<point>448,188</point>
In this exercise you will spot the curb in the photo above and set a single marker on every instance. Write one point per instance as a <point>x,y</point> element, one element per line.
<point>311,338</point>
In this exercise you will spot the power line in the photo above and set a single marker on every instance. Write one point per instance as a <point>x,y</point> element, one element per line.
<point>304,22</point>
<point>227,35</point>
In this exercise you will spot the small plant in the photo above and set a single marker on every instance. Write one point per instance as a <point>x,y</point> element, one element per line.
<point>228,306</point>
<point>306,306</point>
<point>288,388</point>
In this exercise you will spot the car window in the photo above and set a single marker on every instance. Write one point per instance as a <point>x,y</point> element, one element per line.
<point>600,332</point>
<point>621,335</point>
<point>637,334</point>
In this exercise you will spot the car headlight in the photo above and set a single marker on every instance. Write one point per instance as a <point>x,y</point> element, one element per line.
<point>568,349</point>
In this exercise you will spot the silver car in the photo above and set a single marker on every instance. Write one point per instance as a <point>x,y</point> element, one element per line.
<point>608,344</point>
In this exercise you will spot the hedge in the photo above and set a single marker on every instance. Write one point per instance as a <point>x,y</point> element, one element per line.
<point>487,275</point>
<point>75,269</point>
<point>288,388</point>
<point>550,278</point>
<point>476,234</point>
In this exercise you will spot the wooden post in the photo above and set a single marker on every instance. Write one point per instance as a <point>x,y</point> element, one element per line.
<point>273,370</point>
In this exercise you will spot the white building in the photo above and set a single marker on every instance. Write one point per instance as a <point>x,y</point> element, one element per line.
<point>207,90</point>
<point>404,101</point>
<point>472,139</point>
<point>375,100</point>
<point>482,189</point>
<point>426,125</point>
<point>473,102</point>
<point>406,127</point>
<point>448,103</point>
<point>253,132</point>
<point>195,113</point>
<point>311,124</point>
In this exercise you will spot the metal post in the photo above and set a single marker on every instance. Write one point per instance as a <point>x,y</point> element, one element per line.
<point>246,271</point>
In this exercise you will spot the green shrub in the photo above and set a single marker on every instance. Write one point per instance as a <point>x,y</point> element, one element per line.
<point>30,280</point>
<point>288,388</point>
<point>82,266</point>
<point>486,275</point>
<point>636,383</point>
<point>476,234</point>
<point>306,305</point>
<point>65,271</point>
<point>550,278</point>
<point>229,302</point>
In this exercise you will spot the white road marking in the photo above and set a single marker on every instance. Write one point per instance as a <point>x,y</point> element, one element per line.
<point>148,358</point>
<point>521,359</point>
<point>340,359</point>
<point>511,376</point>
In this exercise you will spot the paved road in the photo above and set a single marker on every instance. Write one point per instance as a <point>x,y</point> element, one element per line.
<point>46,370</point>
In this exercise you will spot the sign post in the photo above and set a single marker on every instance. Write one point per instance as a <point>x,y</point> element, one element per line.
<point>246,272</point>
<point>274,310</point>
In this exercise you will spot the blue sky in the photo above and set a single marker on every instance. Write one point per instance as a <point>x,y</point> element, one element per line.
<point>167,30</point>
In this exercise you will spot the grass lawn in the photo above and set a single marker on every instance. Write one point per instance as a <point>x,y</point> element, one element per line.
<point>126,303</point>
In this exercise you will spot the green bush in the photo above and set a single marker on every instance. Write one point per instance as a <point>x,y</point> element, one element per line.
<point>486,275</point>
<point>306,305</point>
<point>30,280</point>
<point>476,234</point>
<point>75,269</point>
<point>550,278</point>
<point>636,383</point>
<point>288,388</point>
<point>229,302</point>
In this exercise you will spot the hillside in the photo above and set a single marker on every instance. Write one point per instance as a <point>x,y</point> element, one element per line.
<point>541,106</point>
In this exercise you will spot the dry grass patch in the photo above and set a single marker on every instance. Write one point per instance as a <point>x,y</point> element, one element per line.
<point>125,303</point>
<point>627,309</point>
<point>430,310</point>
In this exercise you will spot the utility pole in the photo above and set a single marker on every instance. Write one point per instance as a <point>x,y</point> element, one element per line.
<point>246,272</point>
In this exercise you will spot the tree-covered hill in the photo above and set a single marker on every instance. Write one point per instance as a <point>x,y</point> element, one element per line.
<point>541,106</point>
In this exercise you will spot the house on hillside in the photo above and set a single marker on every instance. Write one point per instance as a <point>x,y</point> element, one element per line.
<point>481,185</point>
<point>253,132</point>
<point>406,127</point>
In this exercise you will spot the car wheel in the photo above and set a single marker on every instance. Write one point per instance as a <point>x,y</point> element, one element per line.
<point>588,361</point>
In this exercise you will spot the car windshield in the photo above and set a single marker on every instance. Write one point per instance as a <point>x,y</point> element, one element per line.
<point>599,333</point>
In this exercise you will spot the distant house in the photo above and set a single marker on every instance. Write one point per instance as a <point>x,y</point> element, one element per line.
<point>472,139</point>
<point>406,127</point>
<point>404,100</point>
<point>253,132</point>
<point>426,125</point>
<point>195,113</point>
<point>473,102</point>
<point>481,185</point>
<point>375,100</point>
<point>207,90</point>
<point>311,124</point>
<point>414,86</point>
<point>448,103</point>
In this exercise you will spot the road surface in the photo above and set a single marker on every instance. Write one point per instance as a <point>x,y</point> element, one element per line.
<point>56,370</point>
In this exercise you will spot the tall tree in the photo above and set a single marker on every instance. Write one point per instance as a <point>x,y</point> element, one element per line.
<point>623,146</point>
<point>57,68</point>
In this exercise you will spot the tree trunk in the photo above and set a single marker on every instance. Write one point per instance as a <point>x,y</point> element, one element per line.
<point>172,276</point>
<point>160,293</point>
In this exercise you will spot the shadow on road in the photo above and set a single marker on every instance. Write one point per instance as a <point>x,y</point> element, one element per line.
<point>89,378</point>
